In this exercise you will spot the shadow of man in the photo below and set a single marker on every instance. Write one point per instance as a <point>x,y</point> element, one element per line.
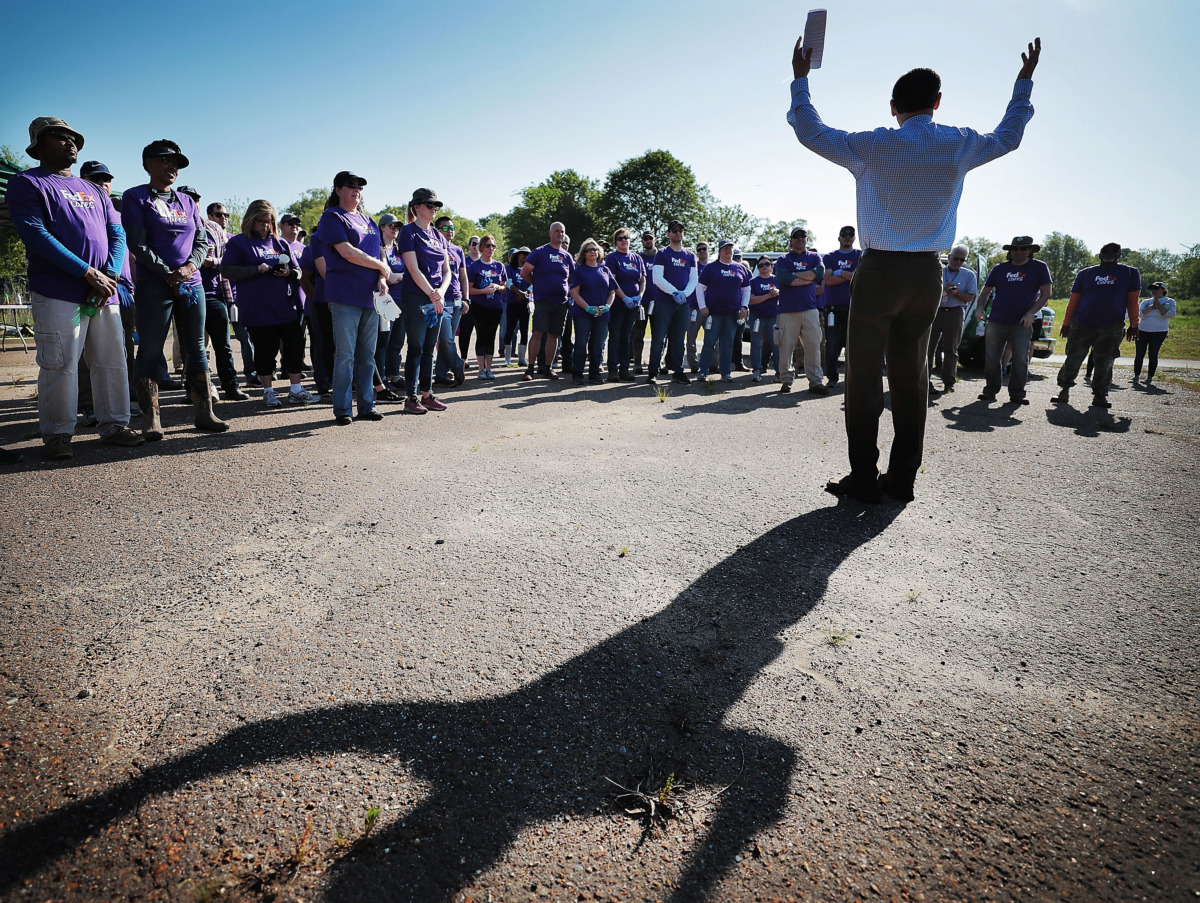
<point>500,765</point>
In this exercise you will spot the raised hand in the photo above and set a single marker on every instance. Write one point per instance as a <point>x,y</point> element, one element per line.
<point>1029,60</point>
<point>801,58</point>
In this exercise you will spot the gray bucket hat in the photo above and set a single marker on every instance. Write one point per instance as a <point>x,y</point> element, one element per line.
<point>43,123</point>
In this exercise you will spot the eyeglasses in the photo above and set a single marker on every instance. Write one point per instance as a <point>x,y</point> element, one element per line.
<point>446,228</point>
<point>622,238</point>
<point>432,205</point>
<point>675,231</point>
<point>488,245</point>
<point>221,215</point>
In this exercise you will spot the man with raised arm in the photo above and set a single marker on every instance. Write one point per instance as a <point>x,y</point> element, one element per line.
<point>910,180</point>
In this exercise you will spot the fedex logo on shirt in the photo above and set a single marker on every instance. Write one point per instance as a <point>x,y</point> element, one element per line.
<point>629,265</point>
<point>1016,277</point>
<point>725,272</point>
<point>1106,280</point>
<point>79,200</point>
<point>844,265</point>
<point>553,258</point>
<point>678,262</point>
<point>173,215</point>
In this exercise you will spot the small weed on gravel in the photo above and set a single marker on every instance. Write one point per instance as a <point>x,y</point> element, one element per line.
<point>662,393</point>
<point>914,595</point>
<point>837,636</point>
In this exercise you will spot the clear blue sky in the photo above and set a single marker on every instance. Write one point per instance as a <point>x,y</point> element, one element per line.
<point>479,100</point>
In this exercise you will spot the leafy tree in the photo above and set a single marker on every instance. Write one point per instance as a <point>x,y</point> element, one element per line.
<point>565,197</point>
<point>309,207</point>
<point>718,221</point>
<point>1065,255</point>
<point>990,250</point>
<point>1185,280</point>
<point>495,225</point>
<point>647,192</point>
<point>1155,264</point>
<point>12,251</point>
<point>237,210</point>
<point>776,236</point>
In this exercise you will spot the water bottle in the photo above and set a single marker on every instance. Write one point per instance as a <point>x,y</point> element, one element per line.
<point>695,313</point>
<point>708,323</point>
<point>829,322</point>
<point>92,305</point>
<point>650,309</point>
<point>757,324</point>
<point>642,313</point>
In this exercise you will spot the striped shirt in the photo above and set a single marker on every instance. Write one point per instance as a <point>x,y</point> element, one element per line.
<point>910,179</point>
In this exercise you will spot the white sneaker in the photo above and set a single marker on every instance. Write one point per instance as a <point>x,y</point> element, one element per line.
<point>301,397</point>
<point>270,399</point>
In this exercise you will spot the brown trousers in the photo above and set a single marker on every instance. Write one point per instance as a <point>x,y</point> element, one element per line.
<point>892,305</point>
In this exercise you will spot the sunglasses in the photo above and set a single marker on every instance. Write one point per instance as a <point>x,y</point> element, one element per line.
<point>446,228</point>
<point>432,205</point>
<point>221,215</point>
<point>622,238</point>
<point>489,245</point>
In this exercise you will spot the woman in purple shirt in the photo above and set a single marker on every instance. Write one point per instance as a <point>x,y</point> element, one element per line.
<point>426,277</point>
<point>592,289</point>
<point>486,278</point>
<point>390,349</point>
<point>267,275</point>
<point>166,236</point>
<point>353,274</point>
<point>516,308</point>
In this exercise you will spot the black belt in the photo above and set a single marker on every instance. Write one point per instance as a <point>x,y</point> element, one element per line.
<point>876,252</point>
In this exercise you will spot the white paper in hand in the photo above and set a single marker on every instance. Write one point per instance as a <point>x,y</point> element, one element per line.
<point>814,36</point>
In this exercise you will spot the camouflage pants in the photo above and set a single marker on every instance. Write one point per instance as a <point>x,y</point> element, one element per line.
<point>1105,345</point>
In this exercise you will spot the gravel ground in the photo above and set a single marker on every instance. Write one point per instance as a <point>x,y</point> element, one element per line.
<point>220,655</point>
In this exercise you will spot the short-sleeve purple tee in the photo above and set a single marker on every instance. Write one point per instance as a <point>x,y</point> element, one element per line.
<point>298,249</point>
<point>395,261</point>
<point>594,285</point>
<point>797,298</point>
<point>847,261</point>
<point>760,286</point>
<point>263,299</point>
<point>431,252</point>
<point>308,262</point>
<point>552,270</point>
<point>1016,289</point>
<point>346,282</point>
<point>458,260</point>
<point>627,269</point>
<point>723,284</point>
<point>1103,292</point>
<point>75,212</point>
<point>170,223</point>
<point>482,275</point>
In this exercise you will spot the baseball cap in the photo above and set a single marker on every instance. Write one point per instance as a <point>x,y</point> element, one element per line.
<point>345,177</point>
<point>163,149</point>
<point>93,168</point>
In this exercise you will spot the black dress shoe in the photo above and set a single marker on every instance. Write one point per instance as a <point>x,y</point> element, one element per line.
<point>848,487</point>
<point>897,489</point>
<point>234,394</point>
<point>343,420</point>
<point>372,416</point>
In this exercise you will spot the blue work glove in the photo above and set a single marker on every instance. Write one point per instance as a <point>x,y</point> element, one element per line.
<point>191,294</point>
<point>124,297</point>
<point>590,310</point>
<point>431,316</point>
<point>632,301</point>
<point>680,297</point>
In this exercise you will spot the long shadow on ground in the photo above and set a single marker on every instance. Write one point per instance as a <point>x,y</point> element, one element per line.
<point>497,766</point>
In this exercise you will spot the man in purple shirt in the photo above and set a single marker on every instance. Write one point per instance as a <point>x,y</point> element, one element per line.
<point>217,290</point>
<point>798,272</point>
<point>549,269</point>
<point>221,289</point>
<point>675,276</point>
<point>75,247</point>
<point>1022,287</point>
<point>839,273</point>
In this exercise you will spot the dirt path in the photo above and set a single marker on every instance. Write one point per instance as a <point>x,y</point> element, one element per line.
<point>217,655</point>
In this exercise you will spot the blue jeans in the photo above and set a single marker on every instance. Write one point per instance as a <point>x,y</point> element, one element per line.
<point>762,330</point>
<point>216,324</point>
<point>620,336</point>
<point>388,350</point>
<point>355,330</point>
<point>155,304</point>
<point>723,328</point>
<point>448,360</point>
<point>242,334</point>
<point>994,340</point>
<point>418,365</point>
<point>590,335</point>
<point>835,338</point>
<point>668,325</point>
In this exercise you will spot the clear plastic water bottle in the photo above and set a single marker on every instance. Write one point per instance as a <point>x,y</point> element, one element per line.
<point>695,313</point>
<point>755,327</point>
<point>708,323</point>
<point>92,305</point>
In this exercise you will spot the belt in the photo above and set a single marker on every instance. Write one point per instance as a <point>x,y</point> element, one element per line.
<point>876,252</point>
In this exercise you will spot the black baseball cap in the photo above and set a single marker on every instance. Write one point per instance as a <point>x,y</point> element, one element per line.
<point>345,177</point>
<point>93,168</point>
<point>163,149</point>
<point>676,224</point>
<point>189,191</point>
<point>289,218</point>
<point>799,230</point>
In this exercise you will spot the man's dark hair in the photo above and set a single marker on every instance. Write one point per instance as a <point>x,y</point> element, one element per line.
<point>915,90</point>
<point>211,207</point>
<point>442,219</point>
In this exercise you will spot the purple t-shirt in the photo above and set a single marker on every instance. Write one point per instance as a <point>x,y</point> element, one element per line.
<point>651,292</point>
<point>1016,289</point>
<point>75,212</point>
<point>482,275</point>
<point>396,261</point>
<point>170,224</point>
<point>346,282</point>
<point>797,298</point>
<point>511,297</point>
<point>308,262</point>
<point>627,269</point>
<point>264,299</point>
<point>1103,292</point>
<point>723,284</point>
<point>594,284</point>
<point>430,248</point>
<point>677,268</point>
<point>458,260</point>
<point>760,286</point>
<point>551,274</point>
<point>298,249</point>
<point>839,295</point>
<point>211,276</point>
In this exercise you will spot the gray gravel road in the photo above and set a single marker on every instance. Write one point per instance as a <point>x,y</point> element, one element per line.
<point>219,654</point>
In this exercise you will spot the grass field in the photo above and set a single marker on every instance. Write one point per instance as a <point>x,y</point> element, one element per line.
<point>1183,341</point>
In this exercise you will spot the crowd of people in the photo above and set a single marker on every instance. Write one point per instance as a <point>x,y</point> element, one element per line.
<point>359,290</point>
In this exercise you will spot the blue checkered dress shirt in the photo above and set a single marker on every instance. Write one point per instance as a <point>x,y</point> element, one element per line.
<point>910,179</point>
